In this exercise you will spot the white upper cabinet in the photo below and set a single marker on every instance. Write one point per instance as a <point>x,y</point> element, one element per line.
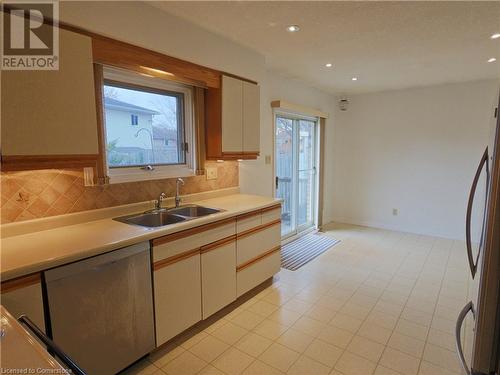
<point>52,112</point>
<point>232,115</point>
<point>240,117</point>
<point>251,118</point>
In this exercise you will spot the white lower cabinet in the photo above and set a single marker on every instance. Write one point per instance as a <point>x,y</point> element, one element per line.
<point>257,249</point>
<point>254,274</point>
<point>24,296</point>
<point>199,271</point>
<point>218,277</point>
<point>177,291</point>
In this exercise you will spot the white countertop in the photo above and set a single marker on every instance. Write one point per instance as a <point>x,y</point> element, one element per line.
<point>20,351</point>
<point>34,252</point>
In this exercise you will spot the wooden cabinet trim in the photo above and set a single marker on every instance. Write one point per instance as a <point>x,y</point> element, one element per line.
<point>20,282</point>
<point>31,162</point>
<point>101,165</point>
<point>174,259</point>
<point>217,244</point>
<point>248,215</point>
<point>258,258</point>
<point>258,229</point>
<point>191,231</point>
<point>258,212</point>
<point>271,208</point>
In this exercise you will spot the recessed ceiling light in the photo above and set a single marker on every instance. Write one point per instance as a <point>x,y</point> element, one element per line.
<point>293,28</point>
<point>354,78</point>
<point>495,36</point>
<point>492,59</point>
<point>329,65</point>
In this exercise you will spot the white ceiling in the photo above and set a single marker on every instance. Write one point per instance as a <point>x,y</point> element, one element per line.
<point>388,45</point>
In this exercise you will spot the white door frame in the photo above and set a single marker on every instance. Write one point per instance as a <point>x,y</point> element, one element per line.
<point>317,143</point>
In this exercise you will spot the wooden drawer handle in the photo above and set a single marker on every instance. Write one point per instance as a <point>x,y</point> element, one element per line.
<point>258,258</point>
<point>174,259</point>
<point>215,245</point>
<point>258,229</point>
<point>20,282</point>
<point>192,231</point>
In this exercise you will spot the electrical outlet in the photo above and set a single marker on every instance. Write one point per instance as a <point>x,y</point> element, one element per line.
<point>395,212</point>
<point>268,159</point>
<point>211,173</point>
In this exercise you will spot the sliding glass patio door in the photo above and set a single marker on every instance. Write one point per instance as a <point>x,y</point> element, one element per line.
<point>295,171</point>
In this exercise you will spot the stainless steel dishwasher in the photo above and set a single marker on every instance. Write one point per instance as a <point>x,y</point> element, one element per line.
<point>101,309</point>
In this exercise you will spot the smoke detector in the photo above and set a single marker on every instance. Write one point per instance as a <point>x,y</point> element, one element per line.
<point>343,104</point>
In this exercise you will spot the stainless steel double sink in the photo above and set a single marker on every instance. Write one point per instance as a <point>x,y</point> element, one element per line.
<point>163,216</point>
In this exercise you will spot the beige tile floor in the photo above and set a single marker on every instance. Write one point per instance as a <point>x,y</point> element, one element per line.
<point>380,302</point>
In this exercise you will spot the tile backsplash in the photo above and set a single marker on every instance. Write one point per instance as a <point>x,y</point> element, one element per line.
<point>35,194</point>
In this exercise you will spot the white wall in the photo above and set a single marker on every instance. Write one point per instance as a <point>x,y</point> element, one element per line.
<point>176,37</point>
<point>256,177</point>
<point>415,150</point>
<point>145,26</point>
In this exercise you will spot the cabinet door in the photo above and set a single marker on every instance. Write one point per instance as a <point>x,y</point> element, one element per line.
<point>251,118</point>
<point>232,115</point>
<point>177,290</point>
<point>255,243</point>
<point>52,112</point>
<point>218,276</point>
<point>248,277</point>
<point>24,296</point>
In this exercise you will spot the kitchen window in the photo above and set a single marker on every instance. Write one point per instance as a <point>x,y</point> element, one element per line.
<point>158,144</point>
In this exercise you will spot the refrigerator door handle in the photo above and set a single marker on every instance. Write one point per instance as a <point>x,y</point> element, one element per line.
<point>468,239</point>
<point>458,335</point>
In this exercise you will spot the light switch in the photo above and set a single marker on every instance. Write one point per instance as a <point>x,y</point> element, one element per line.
<point>88,176</point>
<point>268,159</point>
<point>211,173</point>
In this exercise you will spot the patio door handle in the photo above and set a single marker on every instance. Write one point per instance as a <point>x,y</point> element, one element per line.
<point>277,182</point>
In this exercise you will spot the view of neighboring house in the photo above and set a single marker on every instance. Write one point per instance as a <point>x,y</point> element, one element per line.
<point>133,140</point>
<point>165,145</point>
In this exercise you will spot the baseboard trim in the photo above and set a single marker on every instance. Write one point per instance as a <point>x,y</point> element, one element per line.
<point>379,225</point>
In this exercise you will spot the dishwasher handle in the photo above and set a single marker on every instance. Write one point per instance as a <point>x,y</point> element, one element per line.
<point>51,345</point>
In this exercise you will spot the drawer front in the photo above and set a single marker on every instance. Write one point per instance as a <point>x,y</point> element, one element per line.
<point>256,273</point>
<point>248,221</point>
<point>269,215</point>
<point>257,243</point>
<point>218,277</point>
<point>24,296</point>
<point>177,291</point>
<point>179,243</point>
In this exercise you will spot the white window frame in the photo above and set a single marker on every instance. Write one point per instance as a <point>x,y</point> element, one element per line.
<point>130,174</point>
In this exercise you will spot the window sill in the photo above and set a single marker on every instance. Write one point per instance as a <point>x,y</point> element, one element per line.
<point>122,175</point>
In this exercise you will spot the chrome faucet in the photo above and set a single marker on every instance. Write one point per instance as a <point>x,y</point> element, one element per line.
<point>161,197</point>
<point>178,182</point>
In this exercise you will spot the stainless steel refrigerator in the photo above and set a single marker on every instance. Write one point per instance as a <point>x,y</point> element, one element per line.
<point>482,334</point>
